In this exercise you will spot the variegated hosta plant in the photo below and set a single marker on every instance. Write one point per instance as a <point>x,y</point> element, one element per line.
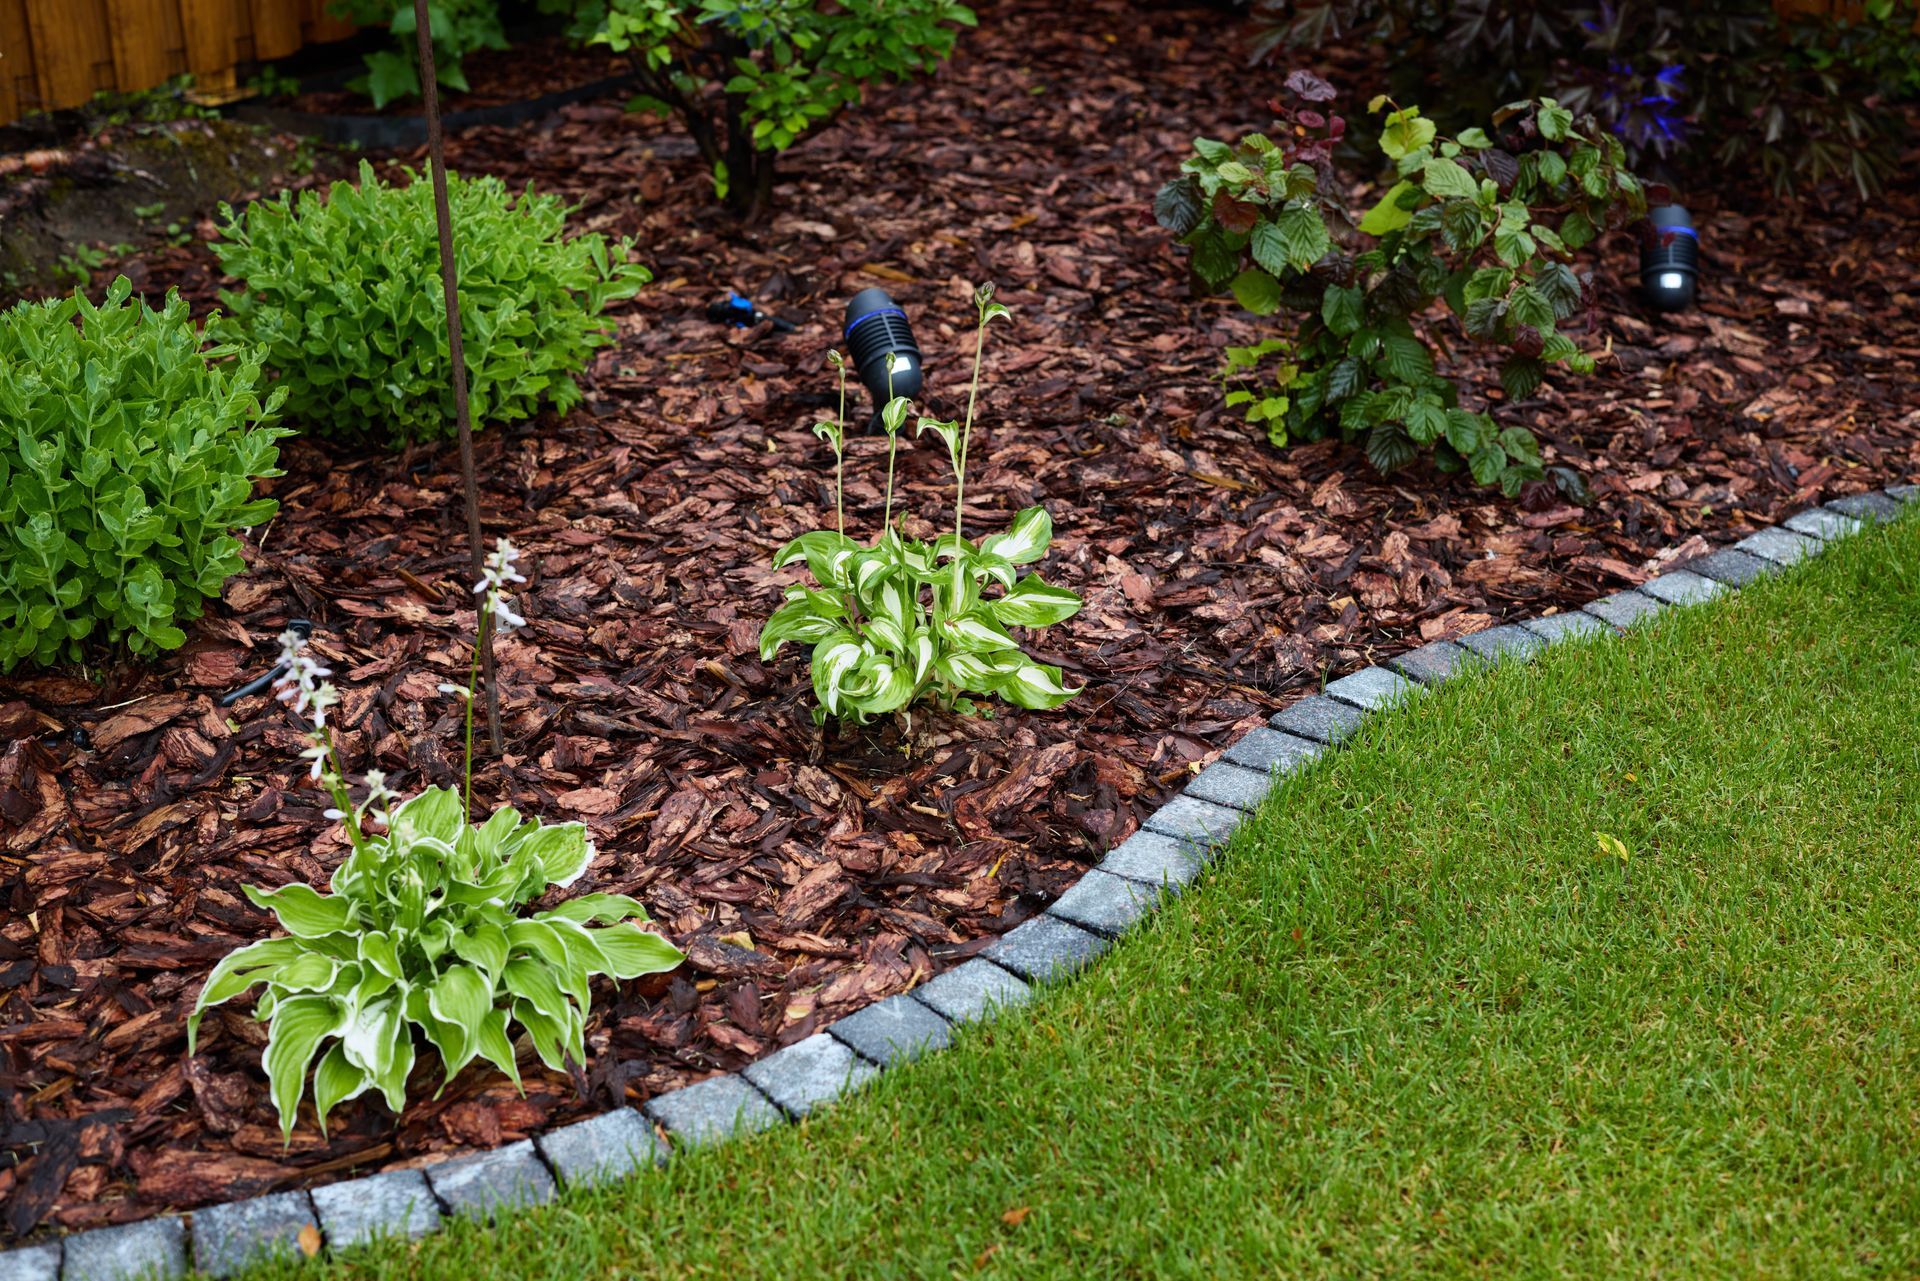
<point>425,927</point>
<point>904,620</point>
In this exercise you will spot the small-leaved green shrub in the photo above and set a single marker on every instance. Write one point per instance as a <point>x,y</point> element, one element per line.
<point>904,619</point>
<point>749,78</point>
<point>128,455</point>
<point>1486,222</point>
<point>425,928</point>
<point>342,296</point>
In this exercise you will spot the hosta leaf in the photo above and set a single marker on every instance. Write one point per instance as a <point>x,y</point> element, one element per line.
<point>551,1037</point>
<point>303,911</point>
<point>461,997</point>
<point>1032,603</point>
<point>299,1024</point>
<point>801,621</point>
<point>632,951</point>
<point>492,1044</point>
<point>562,851</point>
<point>336,1081</point>
<point>435,812</point>
<point>534,982</point>
<point>1025,541</point>
<point>1035,686</point>
<point>976,633</point>
<point>593,909</point>
<point>826,552</point>
<point>237,971</point>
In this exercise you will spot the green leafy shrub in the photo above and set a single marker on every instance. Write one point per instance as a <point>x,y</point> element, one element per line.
<point>128,454</point>
<point>749,78</point>
<point>1486,222</point>
<point>904,619</point>
<point>1736,84</point>
<point>343,298</point>
<point>425,926</point>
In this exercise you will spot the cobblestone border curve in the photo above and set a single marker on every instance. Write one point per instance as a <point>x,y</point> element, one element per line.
<point>1158,862</point>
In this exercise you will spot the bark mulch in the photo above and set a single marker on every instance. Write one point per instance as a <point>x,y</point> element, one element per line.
<point>808,872</point>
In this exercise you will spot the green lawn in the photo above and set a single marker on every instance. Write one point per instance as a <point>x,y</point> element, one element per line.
<point>1414,1024</point>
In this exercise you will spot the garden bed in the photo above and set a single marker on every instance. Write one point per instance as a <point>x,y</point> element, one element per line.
<point>808,874</point>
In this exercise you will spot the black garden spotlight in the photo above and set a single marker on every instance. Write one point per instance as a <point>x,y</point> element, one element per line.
<point>1670,258</point>
<point>876,328</point>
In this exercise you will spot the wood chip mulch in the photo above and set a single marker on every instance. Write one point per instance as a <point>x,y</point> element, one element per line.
<point>809,873</point>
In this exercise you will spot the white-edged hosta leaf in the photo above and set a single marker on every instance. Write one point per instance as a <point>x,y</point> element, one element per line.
<point>492,1043</point>
<point>562,850</point>
<point>1036,686</point>
<point>833,660</point>
<point>948,431</point>
<point>299,1024</point>
<point>366,1032</point>
<point>593,909</point>
<point>1025,540</point>
<point>435,812</point>
<point>308,972</point>
<point>376,949</point>
<point>303,911</point>
<point>923,653</point>
<point>483,943</point>
<point>1033,603</point>
<point>800,621</point>
<point>827,554</point>
<point>462,996</point>
<point>976,633</point>
<point>237,971</point>
<point>632,951</point>
<point>887,632</point>
<point>894,414</point>
<point>336,1081</point>
<point>551,1037</point>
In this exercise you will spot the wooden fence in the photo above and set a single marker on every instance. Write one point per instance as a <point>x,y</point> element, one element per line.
<point>59,53</point>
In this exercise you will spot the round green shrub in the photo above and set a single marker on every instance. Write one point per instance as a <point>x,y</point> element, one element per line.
<point>344,297</point>
<point>128,454</point>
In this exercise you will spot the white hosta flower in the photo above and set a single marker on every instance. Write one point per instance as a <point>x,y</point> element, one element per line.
<point>499,569</point>
<point>500,605</point>
<point>458,691</point>
<point>316,753</point>
<point>299,681</point>
<point>319,700</point>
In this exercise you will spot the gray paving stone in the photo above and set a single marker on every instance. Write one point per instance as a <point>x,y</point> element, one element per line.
<point>397,1203</point>
<point>1781,546</point>
<point>476,1186</point>
<point>1871,506</point>
<point>1188,818</point>
<point>1371,688</point>
<point>1732,567</point>
<point>1430,664</point>
<point>31,1263</point>
<point>1681,587</point>
<point>1225,783</point>
<point>810,1074</point>
<point>1105,904</point>
<point>714,1110</point>
<point>1045,949</point>
<point>1154,858</point>
<point>972,991</point>
<point>1270,751</point>
<point>1509,640</point>
<point>1904,493</point>
<point>896,1030</point>
<point>230,1238</point>
<point>602,1149</point>
<point>149,1249</point>
<point>1555,628</point>
<point>1319,718</point>
<point>1818,522</point>
<point>1624,609</point>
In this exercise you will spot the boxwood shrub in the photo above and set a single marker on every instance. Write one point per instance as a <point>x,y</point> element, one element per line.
<point>128,455</point>
<point>343,296</point>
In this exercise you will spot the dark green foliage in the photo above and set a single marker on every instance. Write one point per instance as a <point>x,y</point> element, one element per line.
<point>749,78</point>
<point>1485,222</point>
<point>128,453</point>
<point>1734,83</point>
<point>343,297</point>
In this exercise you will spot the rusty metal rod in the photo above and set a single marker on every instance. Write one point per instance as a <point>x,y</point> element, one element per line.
<point>449,284</point>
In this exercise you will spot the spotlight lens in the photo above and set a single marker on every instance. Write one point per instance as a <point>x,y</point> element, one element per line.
<point>1672,280</point>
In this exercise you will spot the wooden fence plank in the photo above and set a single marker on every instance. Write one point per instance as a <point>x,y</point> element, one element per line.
<point>18,90</point>
<point>276,29</point>
<point>212,32</point>
<point>142,54</point>
<point>72,54</point>
<point>317,25</point>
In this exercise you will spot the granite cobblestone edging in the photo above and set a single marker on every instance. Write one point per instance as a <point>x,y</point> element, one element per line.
<point>1167,854</point>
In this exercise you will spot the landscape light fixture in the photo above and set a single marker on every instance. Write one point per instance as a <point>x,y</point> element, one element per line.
<point>876,328</point>
<point>744,313</point>
<point>1670,258</point>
